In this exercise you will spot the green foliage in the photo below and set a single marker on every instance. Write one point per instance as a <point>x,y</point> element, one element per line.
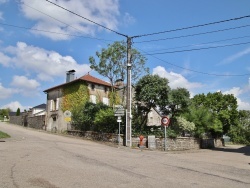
<point>84,116</point>
<point>113,62</point>
<point>151,91</point>
<point>179,100</point>
<point>75,96</point>
<point>4,135</point>
<point>240,134</point>
<point>184,125</point>
<point>114,98</point>
<point>18,112</point>
<point>105,121</point>
<point>4,112</point>
<point>223,109</point>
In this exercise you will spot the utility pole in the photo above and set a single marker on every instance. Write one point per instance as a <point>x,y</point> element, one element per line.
<point>129,95</point>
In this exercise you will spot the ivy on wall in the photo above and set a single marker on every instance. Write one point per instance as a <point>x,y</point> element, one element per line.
<point>74,95</point>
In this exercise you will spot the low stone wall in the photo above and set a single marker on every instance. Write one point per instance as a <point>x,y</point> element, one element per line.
<point>36,122</point>
<point>212,143</point>
<point>105,137</point>
<point>180,143</point>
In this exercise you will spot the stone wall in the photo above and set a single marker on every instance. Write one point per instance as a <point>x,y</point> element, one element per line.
<point>180,143</point>
<point>37,122</point>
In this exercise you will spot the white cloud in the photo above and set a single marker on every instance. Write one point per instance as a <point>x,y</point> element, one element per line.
<point>176,80</point>
<point>236,56</point>
<point>25,86</point>
<point>236,91</point>
<point>103,12</point>
<point>14,106</point>
<point>46,64</point>
<point>5,92</point>
<point>4,60</point>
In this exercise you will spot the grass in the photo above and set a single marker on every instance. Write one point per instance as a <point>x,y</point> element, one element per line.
<point>4,135</point>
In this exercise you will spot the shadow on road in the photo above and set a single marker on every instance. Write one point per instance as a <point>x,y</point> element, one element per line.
<point>244,149</point>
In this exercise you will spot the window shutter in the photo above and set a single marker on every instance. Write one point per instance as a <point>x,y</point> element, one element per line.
<point>57,104</point>
<point>51,105</point>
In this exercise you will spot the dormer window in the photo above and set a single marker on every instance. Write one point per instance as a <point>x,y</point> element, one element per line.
<point>93,86</point>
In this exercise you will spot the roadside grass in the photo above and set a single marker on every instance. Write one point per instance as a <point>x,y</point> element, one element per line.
<point>4,135</point>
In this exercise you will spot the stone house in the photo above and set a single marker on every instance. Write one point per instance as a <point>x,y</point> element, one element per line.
<point>61,98</point>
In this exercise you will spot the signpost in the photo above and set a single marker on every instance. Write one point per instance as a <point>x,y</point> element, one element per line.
<point>165,122</point>
<point>67,116</point>
<point>119,111</point>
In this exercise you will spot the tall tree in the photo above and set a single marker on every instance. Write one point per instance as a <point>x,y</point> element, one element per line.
<point>113,63</point>
<point>18,112</point>
<point>224,110</point>
<point>151,91</point>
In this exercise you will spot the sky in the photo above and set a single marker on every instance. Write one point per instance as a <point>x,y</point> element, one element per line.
<point>195,44</point>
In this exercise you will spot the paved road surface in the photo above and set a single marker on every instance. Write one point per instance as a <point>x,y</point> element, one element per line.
<point>41,160</point>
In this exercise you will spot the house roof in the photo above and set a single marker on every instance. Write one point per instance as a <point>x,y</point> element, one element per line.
<point>41,106</point>
<point>87,78</point>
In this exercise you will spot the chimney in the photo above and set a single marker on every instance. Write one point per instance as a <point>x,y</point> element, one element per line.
<point>70,76</point>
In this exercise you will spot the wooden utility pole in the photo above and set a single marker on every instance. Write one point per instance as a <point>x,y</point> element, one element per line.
<point>129,95</point>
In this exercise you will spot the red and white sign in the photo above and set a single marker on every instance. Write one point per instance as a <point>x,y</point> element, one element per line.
<point>165,121</point>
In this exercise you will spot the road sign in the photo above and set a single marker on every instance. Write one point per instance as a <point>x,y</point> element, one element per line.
<point>119,110</point>
<point>165,121</point>
<point>67,114</point>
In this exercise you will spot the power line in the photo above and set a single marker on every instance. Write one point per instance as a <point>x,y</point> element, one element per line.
<point>191,70</point>
<point>191,35</point>
<point>196,49</point>
<point>40,30</point>
<point>200,44</point>
<point>88,19</point>
<point>195,26</point>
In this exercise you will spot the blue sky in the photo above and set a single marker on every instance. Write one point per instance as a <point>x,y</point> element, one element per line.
<point>202,59</point>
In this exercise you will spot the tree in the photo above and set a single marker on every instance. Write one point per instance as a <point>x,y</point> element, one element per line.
<point>113,63</point>
<point>185,126</point>
<point>105,121</point>
<point>179,101</point>
<point>223,109</point>
<point>18,112</point>
<point>202,118</point>
<point>241,134</point>
<point>151,91</point>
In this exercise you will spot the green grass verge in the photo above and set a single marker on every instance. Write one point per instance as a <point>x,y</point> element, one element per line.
<point>4,135</point>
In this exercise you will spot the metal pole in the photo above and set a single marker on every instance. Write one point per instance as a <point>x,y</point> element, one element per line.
<point>129,103</point>
<point>119,135</point>
<point>165,141</point>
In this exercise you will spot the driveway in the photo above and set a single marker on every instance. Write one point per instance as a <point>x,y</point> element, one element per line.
<point>32,158</point>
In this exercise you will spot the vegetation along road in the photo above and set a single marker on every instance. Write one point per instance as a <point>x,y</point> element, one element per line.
<point>33,158</point>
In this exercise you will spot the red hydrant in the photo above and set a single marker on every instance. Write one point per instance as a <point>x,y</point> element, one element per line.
<point>141,140</point>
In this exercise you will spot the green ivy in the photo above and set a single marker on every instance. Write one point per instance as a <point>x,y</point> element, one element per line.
<point>74,95</point>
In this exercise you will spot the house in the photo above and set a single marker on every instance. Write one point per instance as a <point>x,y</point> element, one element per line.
<point>38,110</point>
<point>67,96</point>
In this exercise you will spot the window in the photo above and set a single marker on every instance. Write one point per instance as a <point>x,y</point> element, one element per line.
<point>105,100</point>
<point>54,104</point>
<point>93,99</point>
<point>105,89</point>
<point>93,86</point>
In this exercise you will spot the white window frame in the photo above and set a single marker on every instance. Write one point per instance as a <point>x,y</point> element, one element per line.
<point>105,100</point>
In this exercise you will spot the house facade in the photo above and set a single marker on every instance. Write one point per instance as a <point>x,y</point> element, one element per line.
<point>63,97</point>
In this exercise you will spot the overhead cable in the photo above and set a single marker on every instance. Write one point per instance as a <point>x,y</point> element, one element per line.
<point>191,27</point>
<point>191,35</point>
<point>195,49</point>
<point>200,72</point>
<point>87,19</point>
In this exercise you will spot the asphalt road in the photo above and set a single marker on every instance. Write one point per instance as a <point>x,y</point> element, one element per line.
<point>32,158</point>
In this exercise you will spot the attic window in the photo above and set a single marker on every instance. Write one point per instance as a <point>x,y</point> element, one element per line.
<point>93,86</point>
